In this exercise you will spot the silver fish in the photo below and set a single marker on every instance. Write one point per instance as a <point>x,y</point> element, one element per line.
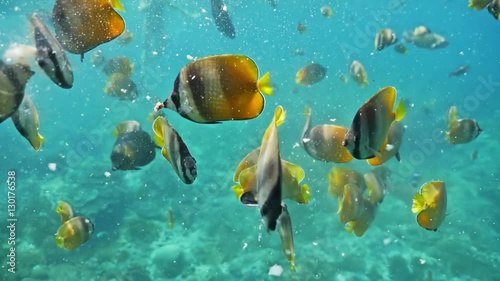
<point>26,121</point>
<point>286,235</point>
<point>222,18</point>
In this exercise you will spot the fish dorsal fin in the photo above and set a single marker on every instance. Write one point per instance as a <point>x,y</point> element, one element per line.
<point>429,193</point>
<point>295,171</point>
<point>279,116</point>
<point>264,84</point>
<point>400,111</point>
<point>418,203</point>
<point>158,130</point>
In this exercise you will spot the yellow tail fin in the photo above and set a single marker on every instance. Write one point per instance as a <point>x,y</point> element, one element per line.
<point>264,84</point>
<point>418,203</point>
<point>117,5</point>
<point>400,111</point>
<point>307,111</point>
<point>238,190</point>
<point>279,116</point>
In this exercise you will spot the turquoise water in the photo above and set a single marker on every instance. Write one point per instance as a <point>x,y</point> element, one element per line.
<point>214,236</point>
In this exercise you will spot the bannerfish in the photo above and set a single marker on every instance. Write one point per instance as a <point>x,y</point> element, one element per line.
<point>26,121</point>
<point>364,220</point>
<point>358,73</point>
<point>65,210</point>
<point>370,126</point>
<point>222,18</point>
<point>82,25</point>
<point>132,149</point>
<point>401,48</point>
<point>50,55</point>
<point>175,150</point>
<point>376,187</point>
<point>13,80</point>
<point>461,70</point>
<point>430,204</point>
<point>269,174</point>
<point>324,142</point>
<point>74,232</point>
<point>218,88</point>
<point>350,204</point>
<point>461,130</point>
<point>394,141</point>
<point>126,127</point>
<point>494,9</point>
<point>121,86</point>
<point>246,187</point>
<point>340,176</point>
<point>310,74</point>
<point>326,11</point>
<point>422,37</point>
<point>286,234</point>
<point>385,38</point>
<point>478,5</point>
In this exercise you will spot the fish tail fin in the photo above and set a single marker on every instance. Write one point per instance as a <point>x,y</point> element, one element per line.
<point>279,116</point>
<point>307,111</point>
<point>40,140</point>
<point>264,84</point>
<point>418,203</point>
<point>117,5</point>
<point>400,111</point>
<point>238,190</point>
<point>348,227</point>
<point>306,193</point>
<point>292,266</point>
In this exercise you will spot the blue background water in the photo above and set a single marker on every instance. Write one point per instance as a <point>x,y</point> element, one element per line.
<point>132,239</point>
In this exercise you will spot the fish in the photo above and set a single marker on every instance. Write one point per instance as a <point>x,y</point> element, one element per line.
<point>82,25</point>
<point>370,126</point>
<point>218,88</point>
<point>13,80</point>
<point>125,127</point>
<point>170,219</point>
<point>120,65</point>
<point>286,234</point>
<point>273,3</point>
<point>298,52</point>
<point>65,210</point>
<point>20,54</point>
<point>473,155</point>
<point>175,150</point>
<point>358,73</point>
<point>394,141</point>
<point>324,142</point>
<point>478,5</point>
<point>326,11</point>
<point>132,149</point>
<point>269,175</point>
<point>121,86</point>
<point>74,232</point>
<point>153,114</point>
<point>246,187</point>
<point>125,38</point>
<point>97,58</point>
<point>430,205</point>
<point>385,38</point>
<point>364,220</point>
<point>461,131</point>
<point>376,188</point>
<point>401,48</point>
<point>26,121</point>
<point>301,28</point>
<point>422,37</point>
<point>461,70</point>
<point>222,18</point>
<point>350,204</point>
<point>310,74</point>
<point>50,55</point>
<point>339,176</point>
<point>494,9</point>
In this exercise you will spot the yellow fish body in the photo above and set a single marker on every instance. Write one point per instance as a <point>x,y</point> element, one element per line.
<point>74,232</point>
<point>26,121</point>
<point>376,188</point>
<point>310,74</point>
<point>351,204</point>
<point>340,176</point>
<point>366,217</point>
<point>82,25</point>
<point>324,142</point>
<point>430,205</point>
<point>218,88</point>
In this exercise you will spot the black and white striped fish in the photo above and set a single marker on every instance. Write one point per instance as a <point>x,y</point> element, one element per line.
<point>175,150</point>
<point>13,80</point>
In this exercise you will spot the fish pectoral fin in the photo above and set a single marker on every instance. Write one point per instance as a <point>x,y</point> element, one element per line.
<point>264,84</point>
<point>400,111</point>
<point>295,171</point>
